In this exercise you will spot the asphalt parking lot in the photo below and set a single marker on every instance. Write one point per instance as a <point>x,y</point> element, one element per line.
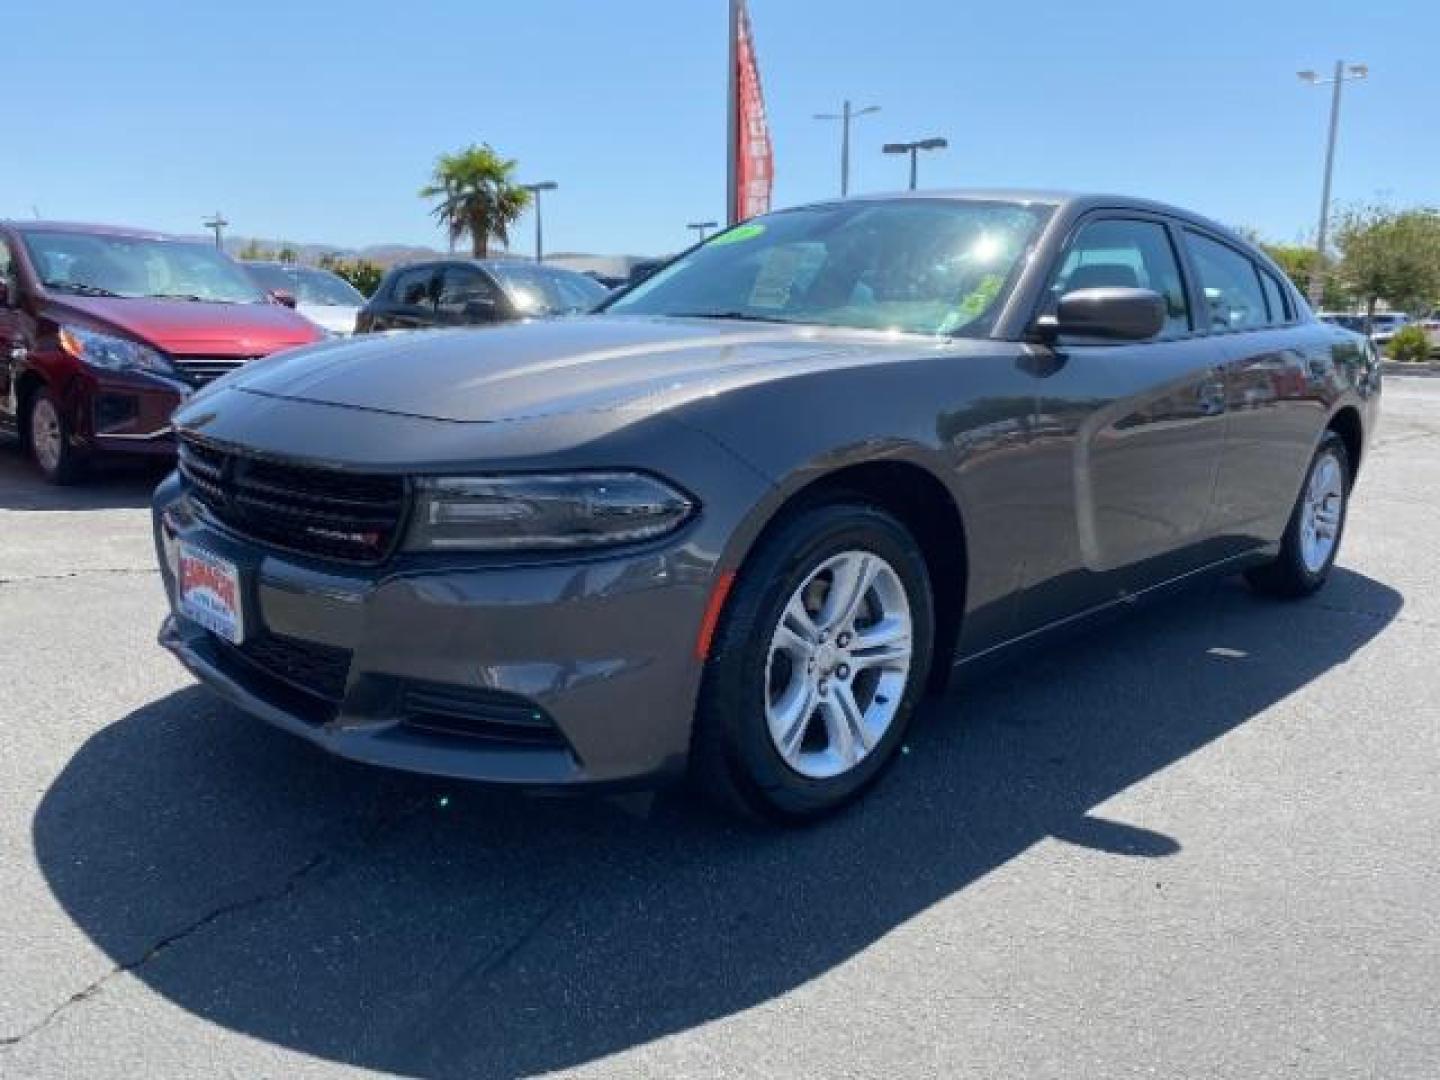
<point>1201,843</point>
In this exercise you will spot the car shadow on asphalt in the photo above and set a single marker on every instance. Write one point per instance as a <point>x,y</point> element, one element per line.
<point>433,929</point>
<point>111,486</point>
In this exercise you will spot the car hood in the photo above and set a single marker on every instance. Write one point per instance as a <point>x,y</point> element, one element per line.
<point>191,327</point>
<point>544,368</point>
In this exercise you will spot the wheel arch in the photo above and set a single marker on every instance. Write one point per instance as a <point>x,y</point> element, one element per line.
<point>27,386</point>
<point>919,499</point>
<point>1347,424</point>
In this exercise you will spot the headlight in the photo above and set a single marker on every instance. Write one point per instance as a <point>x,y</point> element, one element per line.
<point>514,513</point>
<point>112,353</point>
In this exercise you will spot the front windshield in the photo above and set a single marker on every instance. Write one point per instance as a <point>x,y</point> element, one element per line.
<point>307,284</point>
<point>924,266</point>
<point>91,264</point>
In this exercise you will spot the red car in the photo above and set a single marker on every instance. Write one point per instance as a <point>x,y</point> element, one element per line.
<point>104,331</point>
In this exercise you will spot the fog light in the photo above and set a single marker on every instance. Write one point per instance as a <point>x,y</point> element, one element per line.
<point>115,411</point>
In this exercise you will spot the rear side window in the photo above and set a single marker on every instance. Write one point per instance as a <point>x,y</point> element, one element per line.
<point>413,287</point>
<point>1231,284</point>
<point>1276,299</point>
<point>1130,254</point>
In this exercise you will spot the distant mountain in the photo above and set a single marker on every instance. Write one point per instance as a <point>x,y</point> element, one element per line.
<point>390,254</point>
<point>384,254</point>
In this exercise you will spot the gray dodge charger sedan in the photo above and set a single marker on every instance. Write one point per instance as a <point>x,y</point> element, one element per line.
<point>736,524</point>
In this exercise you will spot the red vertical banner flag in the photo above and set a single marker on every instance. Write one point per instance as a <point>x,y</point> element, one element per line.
<point>754,164</point>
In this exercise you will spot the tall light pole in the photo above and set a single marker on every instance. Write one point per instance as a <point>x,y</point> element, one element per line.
<point>1343,74</point>
<point>845,115</point>
<point>701,227</point>
<point>536,189</point>
<point>217,223</point>
<point>913,149</point>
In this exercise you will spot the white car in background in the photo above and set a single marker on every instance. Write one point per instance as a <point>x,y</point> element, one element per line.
<point>1431,326</point>
<point>326,299</point>
<point>1384,325</point>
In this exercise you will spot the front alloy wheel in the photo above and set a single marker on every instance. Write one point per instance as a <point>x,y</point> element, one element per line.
<point>49,438</point>
<point>817,666</point>
<point>839,661</point>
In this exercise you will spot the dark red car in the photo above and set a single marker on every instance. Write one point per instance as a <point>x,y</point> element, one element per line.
<point>104,331</point>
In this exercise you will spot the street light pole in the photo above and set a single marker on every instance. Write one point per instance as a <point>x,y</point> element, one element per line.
<point>913,149</point>
<point>845,115</point>
<point>535,190</point>
<point>701,227</point>
<point>217,224</point>
<point>1343,74</point>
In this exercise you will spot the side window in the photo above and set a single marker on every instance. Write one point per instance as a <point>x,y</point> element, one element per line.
<point>413,287</point>
<point>1231,283</point>
<point>463,285</point>
<point>1276,299</point>
<point>1129,254</point>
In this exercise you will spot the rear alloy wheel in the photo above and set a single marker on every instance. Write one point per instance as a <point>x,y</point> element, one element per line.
<point>817,666</point>
<point>49,438</point>
<point>1312,538</point>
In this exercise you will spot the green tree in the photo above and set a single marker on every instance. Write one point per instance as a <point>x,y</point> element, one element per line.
<point>478,196</point>
<point>362,273</point>
<point>253,250</point>
<point>1391,255</point>
<point>1409,345</point>
<point>287,254</point>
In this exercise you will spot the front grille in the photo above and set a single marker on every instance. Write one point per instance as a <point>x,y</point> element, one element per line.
<point>199,370</point>
<point>318,670</point>
<point>354,517</point>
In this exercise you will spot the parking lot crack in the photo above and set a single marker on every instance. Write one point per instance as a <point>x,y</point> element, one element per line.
<point>161,945</point>
<point>98,571</point>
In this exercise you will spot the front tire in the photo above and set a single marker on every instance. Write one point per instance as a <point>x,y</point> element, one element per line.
<point>1312,538</point>
<point>817,666</point>
<point>49,438</point>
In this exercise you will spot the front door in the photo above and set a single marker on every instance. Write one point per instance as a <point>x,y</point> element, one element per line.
<point>14,335</point>
<point>1134,432</point>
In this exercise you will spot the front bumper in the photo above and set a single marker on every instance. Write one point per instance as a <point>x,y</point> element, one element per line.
<point>599,651</point>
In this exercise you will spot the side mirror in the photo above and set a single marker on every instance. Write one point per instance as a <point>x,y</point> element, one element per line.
<point>1115,313</point>
<point>284,296</point>
<point>480,310</point>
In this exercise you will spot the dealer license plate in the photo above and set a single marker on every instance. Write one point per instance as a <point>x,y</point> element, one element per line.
<point>210,593</point>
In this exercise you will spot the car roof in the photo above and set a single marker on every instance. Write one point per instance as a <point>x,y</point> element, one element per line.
<point>90,228</point>
<point>482,264</point>
<point>1073,203</point>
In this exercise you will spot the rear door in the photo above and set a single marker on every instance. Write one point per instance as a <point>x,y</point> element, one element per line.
<point>1134,430</point>
<point>1277,368</point>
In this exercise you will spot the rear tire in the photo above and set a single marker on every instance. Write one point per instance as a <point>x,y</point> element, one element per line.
<point>48,436</point>
<point>1317,525</point>
<point>801,709</point>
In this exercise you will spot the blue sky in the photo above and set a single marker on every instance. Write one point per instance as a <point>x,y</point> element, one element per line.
<point>318,121</point>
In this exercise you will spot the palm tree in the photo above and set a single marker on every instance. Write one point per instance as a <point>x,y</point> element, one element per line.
<point>478,197</point>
